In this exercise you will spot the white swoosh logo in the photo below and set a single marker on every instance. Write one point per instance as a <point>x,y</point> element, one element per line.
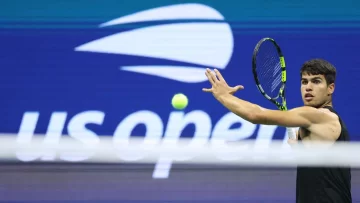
<point>173,12</point>
<point>207,44</point>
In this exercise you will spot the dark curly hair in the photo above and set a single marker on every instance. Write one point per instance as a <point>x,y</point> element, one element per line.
<point>319,67</point>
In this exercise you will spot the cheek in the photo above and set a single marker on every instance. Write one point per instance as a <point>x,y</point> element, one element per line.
<point>302,89</point>
<point>322,91</point>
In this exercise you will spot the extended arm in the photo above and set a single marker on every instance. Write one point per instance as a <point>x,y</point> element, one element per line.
<point>298,117</point>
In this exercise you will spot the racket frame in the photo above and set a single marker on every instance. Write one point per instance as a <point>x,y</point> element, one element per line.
<point>282,106</point>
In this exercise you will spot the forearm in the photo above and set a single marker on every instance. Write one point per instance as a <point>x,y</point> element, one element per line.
<point>242,108</point>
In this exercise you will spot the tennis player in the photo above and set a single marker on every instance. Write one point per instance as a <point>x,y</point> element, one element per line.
<point>317,121</point>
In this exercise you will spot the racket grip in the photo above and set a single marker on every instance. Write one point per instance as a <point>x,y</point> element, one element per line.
<point>291,133</point>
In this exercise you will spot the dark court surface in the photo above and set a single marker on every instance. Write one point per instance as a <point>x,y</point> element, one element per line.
<point>134,183</point>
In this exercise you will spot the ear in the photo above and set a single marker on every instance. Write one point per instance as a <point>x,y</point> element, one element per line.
<point>331,88</point>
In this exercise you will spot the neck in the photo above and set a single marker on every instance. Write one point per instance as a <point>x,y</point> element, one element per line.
<point>328,103</point>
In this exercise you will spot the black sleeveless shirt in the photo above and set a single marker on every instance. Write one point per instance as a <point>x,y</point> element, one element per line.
<point>325,184</point>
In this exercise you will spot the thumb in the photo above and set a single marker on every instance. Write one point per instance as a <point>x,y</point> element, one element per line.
<point>239,87</point>
<point>236,88</point>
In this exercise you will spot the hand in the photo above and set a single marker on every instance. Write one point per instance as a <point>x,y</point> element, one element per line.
<point>292,142</point>
<point>219,85</point>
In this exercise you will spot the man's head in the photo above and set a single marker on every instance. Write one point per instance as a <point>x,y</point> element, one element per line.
<point>317,82</point>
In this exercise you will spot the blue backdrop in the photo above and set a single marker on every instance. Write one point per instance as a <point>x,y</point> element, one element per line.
<point>115,85</point>
<point>110,68</point>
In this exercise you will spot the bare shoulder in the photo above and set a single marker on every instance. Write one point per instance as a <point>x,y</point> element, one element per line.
<point>328,113</point>
<point>328,128</point>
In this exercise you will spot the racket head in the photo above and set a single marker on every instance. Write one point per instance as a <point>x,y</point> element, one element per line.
<point>269,70</point>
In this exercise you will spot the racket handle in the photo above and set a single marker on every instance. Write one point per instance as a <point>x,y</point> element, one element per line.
<point>291,133</point>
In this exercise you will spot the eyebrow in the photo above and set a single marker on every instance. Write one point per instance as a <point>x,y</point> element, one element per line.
<point>315,78</point>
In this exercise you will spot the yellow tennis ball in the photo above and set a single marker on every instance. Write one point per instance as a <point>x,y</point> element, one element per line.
<point>179,101</point>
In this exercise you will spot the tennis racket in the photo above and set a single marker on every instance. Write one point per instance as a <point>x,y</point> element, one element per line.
<point>269,70</point>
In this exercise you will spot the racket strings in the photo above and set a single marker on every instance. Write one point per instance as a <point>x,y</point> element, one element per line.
<point>277,77</point>
<point>269,69</point>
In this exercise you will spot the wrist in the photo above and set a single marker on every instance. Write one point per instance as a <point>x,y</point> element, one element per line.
<point>223,97</point>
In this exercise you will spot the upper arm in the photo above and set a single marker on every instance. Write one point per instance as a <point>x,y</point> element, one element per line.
<point>297,117</point>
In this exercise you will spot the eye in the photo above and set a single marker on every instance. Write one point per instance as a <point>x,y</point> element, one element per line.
<point>317,81</point>
<point>304,82</point>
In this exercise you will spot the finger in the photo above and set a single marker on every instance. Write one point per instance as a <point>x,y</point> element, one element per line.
<point>218,74</point>
<point>207,89</point>
<point>292,141</point>
<point>239,87</point>
<point>213,75</point>
<point>208,75</point>
<point>236,88</point>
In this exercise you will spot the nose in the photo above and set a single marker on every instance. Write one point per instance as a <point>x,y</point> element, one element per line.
<point>308,87</point>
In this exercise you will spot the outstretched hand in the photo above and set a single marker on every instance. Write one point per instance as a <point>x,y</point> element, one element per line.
<point>219,85</point>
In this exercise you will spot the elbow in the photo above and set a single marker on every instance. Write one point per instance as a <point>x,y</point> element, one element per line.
<point>258,116</point>
<point>255,118</point>
<point>254,114</point>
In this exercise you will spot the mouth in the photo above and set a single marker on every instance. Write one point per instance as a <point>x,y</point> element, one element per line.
<point>308,96</point>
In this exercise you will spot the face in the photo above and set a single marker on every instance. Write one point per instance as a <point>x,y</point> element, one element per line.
<point>314,90</point>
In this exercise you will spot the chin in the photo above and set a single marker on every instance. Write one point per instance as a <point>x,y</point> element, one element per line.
<point>310,103</point>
